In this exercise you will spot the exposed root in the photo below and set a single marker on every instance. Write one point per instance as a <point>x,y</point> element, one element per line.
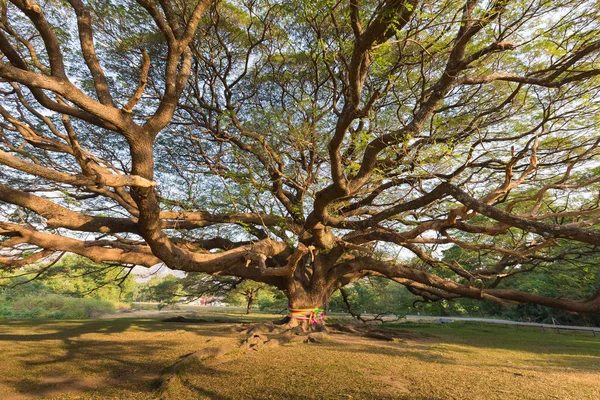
<point>271,334</point>
<point>300,326</point>
<point>267,335</point>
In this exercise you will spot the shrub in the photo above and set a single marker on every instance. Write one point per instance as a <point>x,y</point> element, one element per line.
<point>53,306</point>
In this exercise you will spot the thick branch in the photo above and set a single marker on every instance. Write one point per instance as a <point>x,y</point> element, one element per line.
<point>76,180</point>
<point>397,271</point>
<point>544,229</point>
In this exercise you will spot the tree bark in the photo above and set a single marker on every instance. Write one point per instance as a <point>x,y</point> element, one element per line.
<point>250,297</point>
<point>306,304</point>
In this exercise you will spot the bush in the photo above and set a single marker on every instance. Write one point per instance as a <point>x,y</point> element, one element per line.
<point>53,306</point>
<point>275,302</point>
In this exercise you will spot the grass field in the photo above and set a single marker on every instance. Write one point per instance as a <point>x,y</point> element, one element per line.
<point>124,358</point>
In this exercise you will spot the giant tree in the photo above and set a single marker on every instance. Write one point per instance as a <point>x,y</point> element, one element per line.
<point>304,144</point>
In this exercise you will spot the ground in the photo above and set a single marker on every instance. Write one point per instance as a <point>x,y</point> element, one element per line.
<point>127,358</point>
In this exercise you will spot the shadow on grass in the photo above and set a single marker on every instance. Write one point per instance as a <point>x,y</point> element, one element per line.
<point>417,353</point>
<point>486,336</point>
<point>54,385</point>
<point>81,363</point>
<point>197,391</point>
<point>84,362</point>
<point>191,381</point>
<point>485,346</point>
<point>64,330</point>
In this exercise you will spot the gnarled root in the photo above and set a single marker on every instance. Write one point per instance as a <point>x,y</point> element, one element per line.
<point>285,331</point>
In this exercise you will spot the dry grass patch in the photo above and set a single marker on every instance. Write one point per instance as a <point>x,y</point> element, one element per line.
<point>459,362</point>
<point>124,358</point>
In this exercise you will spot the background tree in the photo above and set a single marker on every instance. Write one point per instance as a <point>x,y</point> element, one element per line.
<point>164,290</point>
<point>74,287</point>
<point>305,145</point>
<point>571,272</point>
<point>245,294</point>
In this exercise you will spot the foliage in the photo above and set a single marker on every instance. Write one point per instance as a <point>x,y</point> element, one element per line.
<point>273,300</point>
<point>162,289</point>
<point>74,287</point>
<point>572,273</point>
<point>266,297</point>
<point>78,276</point>
<point>170,289</point>
<point>450,147</point>
<point>54,306</point>
<point>375,295</point>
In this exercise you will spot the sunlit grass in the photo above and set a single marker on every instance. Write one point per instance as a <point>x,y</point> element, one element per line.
<point>122,358</point>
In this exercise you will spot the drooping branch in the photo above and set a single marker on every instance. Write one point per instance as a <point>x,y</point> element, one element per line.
<point>58,216</point>
<point>543,229</point>
<point>101,179</point>
<point>143,256</point>
<point>425,278</point>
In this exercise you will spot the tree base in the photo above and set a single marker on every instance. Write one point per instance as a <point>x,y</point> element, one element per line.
<point>264,335</point>
<point>299,325</point>
<point>290,330</point>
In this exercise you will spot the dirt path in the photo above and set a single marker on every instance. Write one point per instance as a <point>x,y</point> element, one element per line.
<point>149,314</point>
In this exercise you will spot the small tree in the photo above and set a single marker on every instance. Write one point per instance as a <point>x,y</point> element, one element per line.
<point>164,290</point>
<point>250,294</point>
<point>245,293</point>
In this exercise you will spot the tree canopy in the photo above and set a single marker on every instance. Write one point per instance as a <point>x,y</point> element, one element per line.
<point>306,144</point>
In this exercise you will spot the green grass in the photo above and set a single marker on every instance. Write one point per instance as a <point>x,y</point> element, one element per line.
<point>122,358</point>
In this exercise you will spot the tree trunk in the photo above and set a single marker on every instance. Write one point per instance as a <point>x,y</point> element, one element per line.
<point>307,306</point>
<point>250,297</point>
